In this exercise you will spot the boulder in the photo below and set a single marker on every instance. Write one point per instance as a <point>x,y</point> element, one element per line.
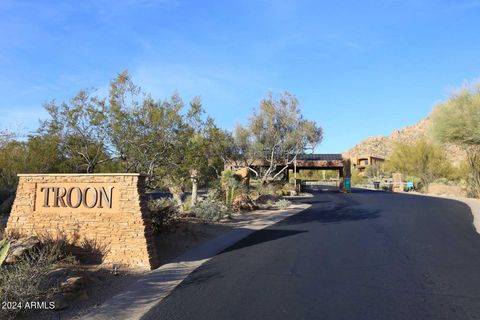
<point>71,290</point>
<point>20,247</point>
<point>243,203</point>
<point>267,199</point>
<point>243,174</point>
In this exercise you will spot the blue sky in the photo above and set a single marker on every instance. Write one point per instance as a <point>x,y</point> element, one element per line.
<point>358,68</point>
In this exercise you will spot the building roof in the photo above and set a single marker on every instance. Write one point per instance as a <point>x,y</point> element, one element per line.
<point>320,156</point>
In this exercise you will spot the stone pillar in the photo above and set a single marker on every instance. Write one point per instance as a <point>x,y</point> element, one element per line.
<point>107,211</point>
<point>397,182</point>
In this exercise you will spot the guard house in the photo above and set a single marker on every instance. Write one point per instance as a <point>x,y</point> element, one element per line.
<point>314,161</point>
<point>321,161</point>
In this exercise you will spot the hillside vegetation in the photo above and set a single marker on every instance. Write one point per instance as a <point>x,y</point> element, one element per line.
<point>382,146</point>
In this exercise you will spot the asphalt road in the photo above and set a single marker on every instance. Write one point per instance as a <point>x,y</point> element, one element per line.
<point>365,255</point>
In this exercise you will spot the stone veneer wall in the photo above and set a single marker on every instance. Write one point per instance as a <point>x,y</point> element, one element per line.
<point>123,232</point>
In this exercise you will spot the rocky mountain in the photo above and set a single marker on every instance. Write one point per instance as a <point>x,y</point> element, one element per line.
<point>382,146</point>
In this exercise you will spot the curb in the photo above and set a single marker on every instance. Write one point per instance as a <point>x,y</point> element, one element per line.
<point>152,288</point>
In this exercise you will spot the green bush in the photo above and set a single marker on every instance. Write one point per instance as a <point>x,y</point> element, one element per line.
<point>386,187</point>
<point>215,194</point>
<point>282,204</point>
<point>275,188</point>
<point>357,179</point>
<point>210,210</point>
<point>163,214</point>
<point>230,184</point>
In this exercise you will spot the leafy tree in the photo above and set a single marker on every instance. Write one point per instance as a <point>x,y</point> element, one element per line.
<point>275,135</point>
<point>458,121</point>
<point>149,136</point>
<point>161,139</point>
<point>420,159</point>
<point>6,136</point>
<point>220,147</point>
<point>375,171</point>
<point>206,148</point>
<point>80,126</point>
<point>38,154</point>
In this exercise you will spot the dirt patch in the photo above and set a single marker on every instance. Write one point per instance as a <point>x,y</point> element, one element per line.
<point>442,189</point>
<point>188,233</point>
<point>99,285</point>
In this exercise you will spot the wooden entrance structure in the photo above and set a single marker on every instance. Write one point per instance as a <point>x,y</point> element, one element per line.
<point>314,161</point>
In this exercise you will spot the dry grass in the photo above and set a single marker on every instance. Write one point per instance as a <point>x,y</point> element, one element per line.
<point>24,281</point>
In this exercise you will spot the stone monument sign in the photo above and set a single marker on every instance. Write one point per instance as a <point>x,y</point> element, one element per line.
<point>107,210</point>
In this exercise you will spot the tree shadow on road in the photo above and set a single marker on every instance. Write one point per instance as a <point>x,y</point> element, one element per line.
<point>334,215</point>
<point>314,201</point>
<point>262,236</point>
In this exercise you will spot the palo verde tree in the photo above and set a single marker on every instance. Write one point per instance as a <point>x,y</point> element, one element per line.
<point>148,135</point>
<point>80,127</point>
<point>457,121</point>
<point>421,159</point>
<point>206,148</point>
<point>143,131</point>
<point>169,143</point>
<point>36,154</point>
<point>276,134</point>
<point>6,136</point>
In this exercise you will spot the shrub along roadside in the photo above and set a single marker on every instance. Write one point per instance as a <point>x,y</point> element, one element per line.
<point>210,210</point>
<point>282,204</point>
<point>27,279</point>
<point>163,214</point>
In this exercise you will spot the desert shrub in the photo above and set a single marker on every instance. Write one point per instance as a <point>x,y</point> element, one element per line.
<point>268,189</point>
<point>215,194</point>
<point>278,188</point>
<point>25,279</point>
<point>187,204</point>
<point>357,179</point>
<point>210,211</point>
<point>239,191</point>
<point>282,204</point>
<point>386,187</point>
<point>287,189</point>
<point>163,214</point>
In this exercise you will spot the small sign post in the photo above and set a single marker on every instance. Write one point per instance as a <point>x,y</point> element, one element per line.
<point>347,183</point>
